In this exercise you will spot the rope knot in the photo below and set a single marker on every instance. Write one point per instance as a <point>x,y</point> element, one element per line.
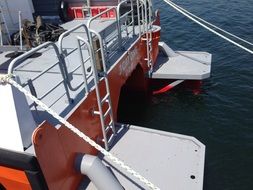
<point>4,78</point>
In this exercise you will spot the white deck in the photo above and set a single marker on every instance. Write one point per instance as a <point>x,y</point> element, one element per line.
<point>168,160</point>
<point>186,65</point>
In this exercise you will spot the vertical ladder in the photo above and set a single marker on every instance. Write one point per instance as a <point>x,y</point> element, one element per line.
<point>108,128</point>
<point>87,10</point>
<point>4,31</point>
<point>106,115</point>
<point>147,23</point>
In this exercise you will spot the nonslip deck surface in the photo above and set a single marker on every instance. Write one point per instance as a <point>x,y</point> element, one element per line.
<point>186,65</point>
<point>49,87</point>
<point>168,160</point>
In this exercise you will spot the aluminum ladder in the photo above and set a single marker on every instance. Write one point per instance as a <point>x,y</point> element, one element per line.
<point>4,31</point>
<point>104,102</point>
<point>108,127</point>
<point>147,24</point>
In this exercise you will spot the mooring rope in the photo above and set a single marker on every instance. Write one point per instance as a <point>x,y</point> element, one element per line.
<point>194,18</point>
<point>237,37</point>
<point>4,79</point>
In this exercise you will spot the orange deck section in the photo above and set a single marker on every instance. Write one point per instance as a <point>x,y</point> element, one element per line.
<point>13,179</point>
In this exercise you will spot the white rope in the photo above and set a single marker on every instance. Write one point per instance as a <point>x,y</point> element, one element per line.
<point>8,79</point>
<point>206,27</point>
<point>237,37</point>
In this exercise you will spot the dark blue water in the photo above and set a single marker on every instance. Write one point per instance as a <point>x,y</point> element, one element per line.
<point>221,115</point>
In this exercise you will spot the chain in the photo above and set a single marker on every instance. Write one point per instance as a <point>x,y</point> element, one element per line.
<point>7,79</point>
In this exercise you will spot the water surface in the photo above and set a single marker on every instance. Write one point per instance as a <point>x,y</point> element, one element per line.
<point>221,115</point>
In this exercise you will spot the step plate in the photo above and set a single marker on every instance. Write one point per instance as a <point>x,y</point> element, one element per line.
<point>186,65</point>
<point>169,160</point>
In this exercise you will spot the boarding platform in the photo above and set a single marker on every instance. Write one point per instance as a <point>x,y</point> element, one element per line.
<point>178,160</point>
<point>183,65</point>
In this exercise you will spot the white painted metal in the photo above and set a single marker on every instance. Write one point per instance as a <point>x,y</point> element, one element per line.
<point>187,65</point>
<point>163,47</point>
<point>11,10</point>
<point>107,128</point>
<point>10,136</point>
<point>20,29</point>
<point>4,31</point>
<point>17,124</point>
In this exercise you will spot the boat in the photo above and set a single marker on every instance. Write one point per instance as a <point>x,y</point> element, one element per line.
<point>59,100</point>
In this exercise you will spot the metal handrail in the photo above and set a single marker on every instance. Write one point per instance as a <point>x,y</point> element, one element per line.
<point>100,14</point>
<point>100,44</point>
<point>26,55</point>
<point>99,100</point>
<point>79,40</point>
<point>119,18</point>
<point>60,45</point>
<point>65,34</point>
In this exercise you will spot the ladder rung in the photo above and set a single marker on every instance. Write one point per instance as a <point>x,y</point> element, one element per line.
<point>96,112</point>
<point>107,129</point>
<point>110,140</point>
<point>109,126</point>
<point>107,112</point>
<point>111,122</point>
<point>105,99</point>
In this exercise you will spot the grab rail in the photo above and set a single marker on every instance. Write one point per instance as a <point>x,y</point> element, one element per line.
<point>79,40</point>
<point>28,54</point>
<point>111,37</point>
<point>65,34</point>
<point>100,48</point>
<point>125,15</point>
<point>100,14</point>
<point>62,53</point>
<point>107,96</point>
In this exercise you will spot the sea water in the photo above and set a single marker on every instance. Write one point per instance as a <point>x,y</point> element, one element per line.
<point>221,116</point>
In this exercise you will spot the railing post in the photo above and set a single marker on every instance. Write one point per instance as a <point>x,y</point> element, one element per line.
<point>34,50</point>
<point>132,7</point>
<point>139,18</point>
<point>119,26</point>
<point>20,29</point>
<point>79,39</point>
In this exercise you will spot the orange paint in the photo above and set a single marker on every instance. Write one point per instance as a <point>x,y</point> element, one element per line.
<point>13,179</point>
<point>56,149</point>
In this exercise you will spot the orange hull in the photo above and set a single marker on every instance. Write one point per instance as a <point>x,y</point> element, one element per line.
<point>62,145</point>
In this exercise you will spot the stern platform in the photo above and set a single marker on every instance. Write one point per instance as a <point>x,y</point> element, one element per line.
<point>169,160</point>
<point>183,65</point>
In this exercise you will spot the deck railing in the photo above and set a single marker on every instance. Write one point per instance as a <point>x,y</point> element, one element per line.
<point>125,22</point>
<point>29,82</point>
<point>64,55</point>
<point>100,47</point>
